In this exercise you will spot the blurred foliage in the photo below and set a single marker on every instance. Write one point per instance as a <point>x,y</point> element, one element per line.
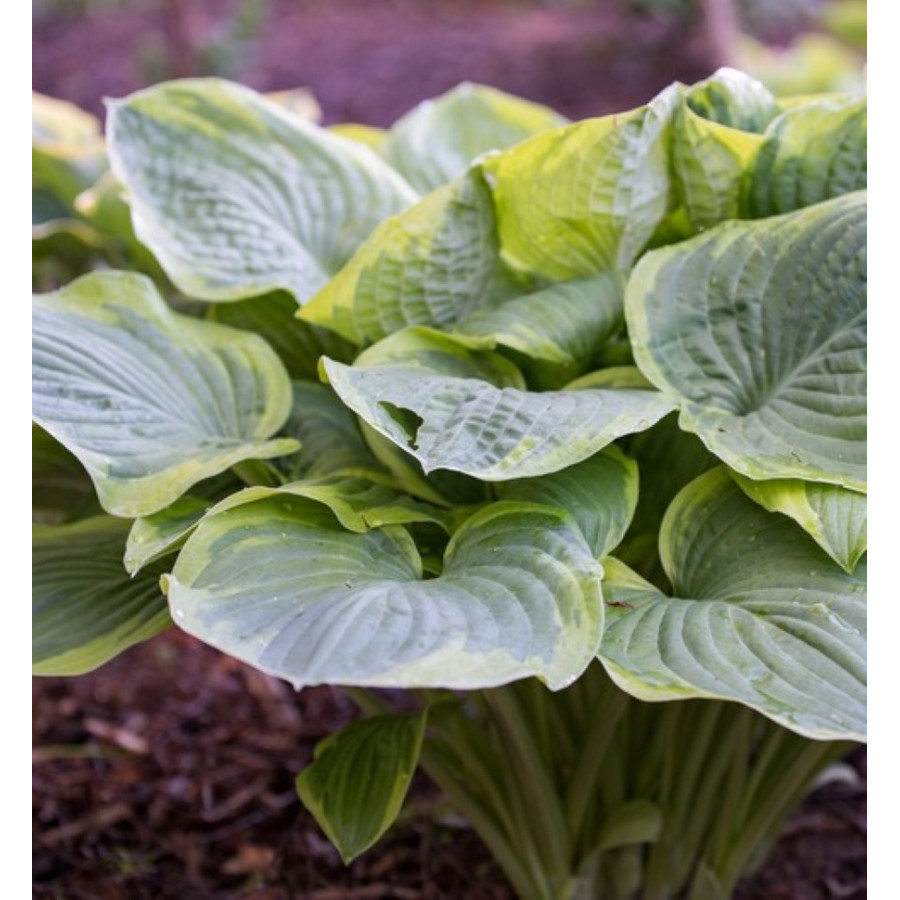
<point>224,51</point>
<point>846,19</point>
<point>756,15</point>
<point>813,64</point>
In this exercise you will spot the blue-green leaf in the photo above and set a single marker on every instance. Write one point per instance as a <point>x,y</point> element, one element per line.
<point>150,401</point>
<point>758,614</point>
<point>281,585</point>
<point>237,197</point>
<point>85,607</point>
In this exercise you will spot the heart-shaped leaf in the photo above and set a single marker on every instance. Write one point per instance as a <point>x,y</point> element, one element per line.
<point>759,615</point>
<point>599,493</point>
<point>237,197</point>
<point>279,584</point>
<point>811,153</point>
<point>835,518</point>
<point>150,401</point>
<point>757,331</point>
<point>556,332</point>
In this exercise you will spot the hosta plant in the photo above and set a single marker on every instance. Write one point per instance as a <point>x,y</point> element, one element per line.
<point>554,430</point>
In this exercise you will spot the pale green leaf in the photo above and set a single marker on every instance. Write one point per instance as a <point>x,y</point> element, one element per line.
<point>733,99</point>
<point>358,501</point>
<point>710,161</point>
<point>585,198</point>
<point>279,584</point>
<point>835,518</point>
<point>152,537</point>
<point>67,149</point>
<point>758,614</point>
<point>438,402</point>
<point>625,377</point>
<point>150,401</point>
<point>367,135</point>
<point>757,331</point>
<point>811,153</point>
<point>437,140</point>
<point>236,197</point>
<point>717,133</point>
<point>85,608</point>
<point>357,782</point>
<point>430,265</point>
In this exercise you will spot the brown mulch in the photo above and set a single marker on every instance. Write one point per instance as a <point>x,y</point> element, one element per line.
<point>169,773</point>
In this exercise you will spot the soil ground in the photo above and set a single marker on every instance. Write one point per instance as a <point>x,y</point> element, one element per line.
<point>168,775</point>
<point>169,772</point>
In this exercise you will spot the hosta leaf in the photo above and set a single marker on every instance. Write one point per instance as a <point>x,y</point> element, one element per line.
<point>357,782</point>
<point>430,265</point>
<point>329,436</point>
<point>438,139</point>
<point>585,198</point>
<point>367,135</point>
<point>555,332</point>
<point>67,151</point>
<point>757,330</point>
<point>60,488</point>
<point>811,153</point>
<point>630,377</point>
<point>299,345</point>
<point>441,486</point>
<point>155,536</point>
<point>359,502</point>
<point>150,401</point>
<point>710,160</point>
<point>281,585</point>
<point>733,99</point>
<point>236,197</point>
<point>832,516</point>
<point>433,401</point>
<point>718,129</point>
<point>103,206</point>
<point>759,615</point>
<point>85,607</point>
<point>600,494</point>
